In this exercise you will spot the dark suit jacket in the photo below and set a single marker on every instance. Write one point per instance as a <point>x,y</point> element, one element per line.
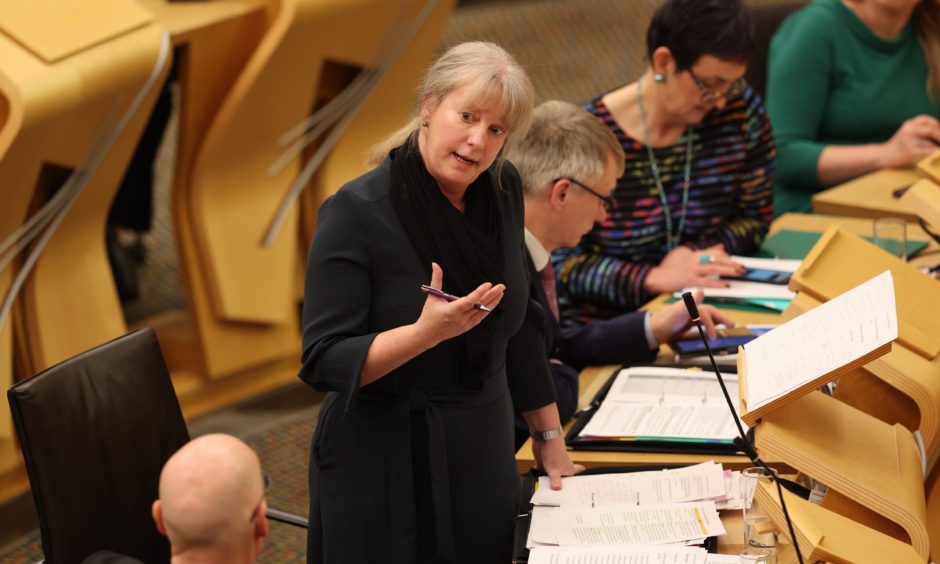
<point>619,340</point>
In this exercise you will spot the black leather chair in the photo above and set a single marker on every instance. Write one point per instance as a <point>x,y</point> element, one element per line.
<point>766,19</point>
<point>95,431</point>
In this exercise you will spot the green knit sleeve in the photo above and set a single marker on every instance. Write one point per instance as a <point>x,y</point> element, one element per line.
<point>798,77</point>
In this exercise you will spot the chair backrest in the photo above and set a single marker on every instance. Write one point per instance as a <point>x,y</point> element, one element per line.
<point>766,21</point>
<point>95,431</point>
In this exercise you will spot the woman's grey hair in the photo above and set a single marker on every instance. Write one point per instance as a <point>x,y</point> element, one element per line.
<point>564,141</point>
<point>494,77</point>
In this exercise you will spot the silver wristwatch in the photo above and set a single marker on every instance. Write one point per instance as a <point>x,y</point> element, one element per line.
<point>547,435</point>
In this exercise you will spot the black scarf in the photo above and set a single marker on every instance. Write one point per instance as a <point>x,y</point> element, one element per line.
<point>467,246</point>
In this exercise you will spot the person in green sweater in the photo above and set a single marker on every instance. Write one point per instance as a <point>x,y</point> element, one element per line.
<point>853,86</point>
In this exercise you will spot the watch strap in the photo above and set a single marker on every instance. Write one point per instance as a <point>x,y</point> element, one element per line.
<point>547,435</point>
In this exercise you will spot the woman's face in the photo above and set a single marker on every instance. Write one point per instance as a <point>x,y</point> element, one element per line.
<point>706,85</point>
<point>461,139</point>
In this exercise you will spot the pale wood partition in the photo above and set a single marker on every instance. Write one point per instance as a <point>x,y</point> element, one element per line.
<point>826,536</point>
<point>873,469</point>
<point>907,377</point>
<point>67,66</point>
<point>242,295</point>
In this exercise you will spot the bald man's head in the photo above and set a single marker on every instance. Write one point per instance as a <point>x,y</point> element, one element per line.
<point>211,496</point>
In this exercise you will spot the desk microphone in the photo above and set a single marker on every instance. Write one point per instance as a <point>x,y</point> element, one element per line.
<point>741,440</point>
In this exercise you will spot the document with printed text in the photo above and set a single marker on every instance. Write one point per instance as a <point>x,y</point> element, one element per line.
<point>820,341</point>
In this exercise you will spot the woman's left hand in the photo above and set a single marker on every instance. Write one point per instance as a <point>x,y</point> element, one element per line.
<point>552,457</point>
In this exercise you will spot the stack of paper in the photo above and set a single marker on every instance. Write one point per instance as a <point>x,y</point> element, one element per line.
<point>627,555</point>
<point>642,508</point>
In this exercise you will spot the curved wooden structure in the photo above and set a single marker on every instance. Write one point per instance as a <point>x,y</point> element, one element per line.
<point>873,469</point>
<point>243,296</point>
<point>58,83</point>
<point>902,386</point>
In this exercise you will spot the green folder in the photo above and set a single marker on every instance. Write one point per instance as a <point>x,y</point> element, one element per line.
<point>788,244</point>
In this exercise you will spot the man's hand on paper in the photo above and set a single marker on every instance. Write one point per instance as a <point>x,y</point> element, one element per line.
<point>672,322</point>
<point>552,457</point>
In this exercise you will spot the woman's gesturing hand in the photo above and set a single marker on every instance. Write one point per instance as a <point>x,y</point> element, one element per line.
<point>441,319</point>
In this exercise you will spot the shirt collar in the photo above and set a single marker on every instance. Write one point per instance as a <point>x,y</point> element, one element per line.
<point>540,256</point>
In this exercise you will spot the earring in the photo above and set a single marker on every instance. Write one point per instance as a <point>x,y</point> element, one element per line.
<point>424,123</point>
<point>659,77</point>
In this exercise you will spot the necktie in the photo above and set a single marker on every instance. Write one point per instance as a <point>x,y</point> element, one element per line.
<point>548,284</point>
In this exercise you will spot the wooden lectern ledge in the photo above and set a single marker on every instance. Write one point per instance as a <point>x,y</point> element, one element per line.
<point>906,377</point>
<point>842,260</point>
<point>873,469</point>
<point>827,536</point>
<point>899,387</point>
<point>872,195</point>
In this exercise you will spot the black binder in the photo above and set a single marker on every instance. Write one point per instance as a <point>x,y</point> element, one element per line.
<point>685,446</point>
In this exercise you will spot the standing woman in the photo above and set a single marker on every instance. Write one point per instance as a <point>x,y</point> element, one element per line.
<point>412,459</point>
<point>699,167</point>
<point>853,86</point>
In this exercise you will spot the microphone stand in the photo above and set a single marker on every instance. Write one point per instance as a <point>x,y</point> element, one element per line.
<point>741,440</point>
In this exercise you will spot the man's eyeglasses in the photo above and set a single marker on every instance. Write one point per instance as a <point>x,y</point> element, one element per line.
<point>606,201</point>
<point>264,492</point>
<point>712,94</point>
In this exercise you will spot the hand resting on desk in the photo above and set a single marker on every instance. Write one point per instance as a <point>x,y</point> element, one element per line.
<point>683,268</point>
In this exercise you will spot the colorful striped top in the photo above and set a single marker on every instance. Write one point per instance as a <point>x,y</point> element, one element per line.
<point>730,202</point>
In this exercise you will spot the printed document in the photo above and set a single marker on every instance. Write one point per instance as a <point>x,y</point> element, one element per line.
<point>656,402</point>
<point>821,340</point>
<point>618,555</point>
<point>692,483</point>
<point>636,524</point>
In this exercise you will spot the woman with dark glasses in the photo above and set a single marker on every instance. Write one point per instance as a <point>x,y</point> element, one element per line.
<point>699,167</point>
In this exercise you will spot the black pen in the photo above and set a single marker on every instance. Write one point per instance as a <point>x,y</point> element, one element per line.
<point>444,295</point>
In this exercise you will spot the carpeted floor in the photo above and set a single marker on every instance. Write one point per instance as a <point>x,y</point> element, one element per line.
<point>283,447</point>
<point>572,49</point>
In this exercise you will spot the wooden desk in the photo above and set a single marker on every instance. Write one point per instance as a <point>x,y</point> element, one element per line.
<point>592,378</point>
<point>929,256</point>
<point>868,196</point>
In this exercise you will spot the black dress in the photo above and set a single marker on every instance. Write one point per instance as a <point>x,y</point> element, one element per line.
<point>413,467</point>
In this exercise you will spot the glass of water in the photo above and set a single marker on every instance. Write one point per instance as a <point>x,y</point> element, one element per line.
<point>890,233</point>
<point>760,534</point>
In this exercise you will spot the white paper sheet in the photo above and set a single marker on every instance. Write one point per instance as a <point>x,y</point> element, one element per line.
<point>618,555</point>
<point>665,402</point>
<point>722,559</point>
<point>783,265</point>
<point>692,483</point>
<point>643,524</point>
<point>744,289</point>
<point>821,340</point>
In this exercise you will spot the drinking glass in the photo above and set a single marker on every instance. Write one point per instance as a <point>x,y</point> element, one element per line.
<point>890,233</point>
<point>760,535</point>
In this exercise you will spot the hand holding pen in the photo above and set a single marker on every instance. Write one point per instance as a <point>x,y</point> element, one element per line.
<point>445,296</point>
<point>445,316</point>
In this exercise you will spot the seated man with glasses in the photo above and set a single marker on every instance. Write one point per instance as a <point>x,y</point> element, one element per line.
<point>569,164</point>
<point>699,162</point>
<point>212,501</point>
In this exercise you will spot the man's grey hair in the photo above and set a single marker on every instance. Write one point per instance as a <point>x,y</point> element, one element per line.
<point>564,141</point>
